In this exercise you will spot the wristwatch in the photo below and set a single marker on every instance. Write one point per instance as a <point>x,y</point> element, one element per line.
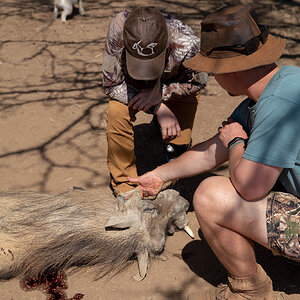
<point>236,139</point>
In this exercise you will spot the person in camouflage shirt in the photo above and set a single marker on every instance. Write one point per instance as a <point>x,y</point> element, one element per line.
<point>260,141</point>
<point>143,71</point>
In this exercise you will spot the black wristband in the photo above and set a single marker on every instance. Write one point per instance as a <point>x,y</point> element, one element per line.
<point>152,109</point>
<point>236,139</point>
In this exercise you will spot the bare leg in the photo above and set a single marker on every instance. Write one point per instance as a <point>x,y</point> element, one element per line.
<point>230,224</point>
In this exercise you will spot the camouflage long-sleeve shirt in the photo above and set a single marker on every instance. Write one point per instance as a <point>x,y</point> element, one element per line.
<point>183,45</point>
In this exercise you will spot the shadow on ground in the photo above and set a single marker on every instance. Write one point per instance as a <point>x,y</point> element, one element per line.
<point>201,260</point>
<point>197,254</point>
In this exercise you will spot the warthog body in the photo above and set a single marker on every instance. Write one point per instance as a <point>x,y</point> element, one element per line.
<point>67,7</point>
<point>44,233</point>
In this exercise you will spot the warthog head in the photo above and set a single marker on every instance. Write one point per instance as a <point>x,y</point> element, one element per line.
<point>153,219</point>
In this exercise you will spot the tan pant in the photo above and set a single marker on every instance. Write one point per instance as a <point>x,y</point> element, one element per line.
<point>121,159</point>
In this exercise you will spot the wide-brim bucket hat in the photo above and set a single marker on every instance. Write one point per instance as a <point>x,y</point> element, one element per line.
<point>231,41</point>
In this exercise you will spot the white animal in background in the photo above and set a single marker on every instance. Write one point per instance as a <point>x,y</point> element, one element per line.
<point>67,7</point>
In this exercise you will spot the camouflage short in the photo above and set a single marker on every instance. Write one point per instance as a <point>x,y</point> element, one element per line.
<point>283,225</point>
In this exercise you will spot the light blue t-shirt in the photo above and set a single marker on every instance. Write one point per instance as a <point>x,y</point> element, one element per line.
<point>273,126</point>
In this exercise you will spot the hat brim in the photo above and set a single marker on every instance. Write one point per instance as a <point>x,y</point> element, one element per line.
<point>146,69</point>
<point>266,54</point>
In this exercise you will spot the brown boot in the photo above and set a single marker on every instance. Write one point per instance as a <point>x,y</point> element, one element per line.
<point>284,296</point>
<point>255,287</point>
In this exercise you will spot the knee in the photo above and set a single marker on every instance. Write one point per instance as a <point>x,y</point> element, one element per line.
<point>208,197</point>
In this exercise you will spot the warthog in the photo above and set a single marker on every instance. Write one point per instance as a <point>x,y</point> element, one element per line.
<point>43,233</point>
<point>67,7</point>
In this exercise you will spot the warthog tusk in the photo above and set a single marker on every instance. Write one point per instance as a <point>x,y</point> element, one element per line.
<point>189,231</point>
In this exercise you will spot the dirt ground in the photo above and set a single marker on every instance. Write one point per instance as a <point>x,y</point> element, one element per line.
<point>52,131</point>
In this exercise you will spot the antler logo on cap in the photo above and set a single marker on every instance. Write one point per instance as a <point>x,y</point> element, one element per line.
<point>146,40</point>
<point>140,49</point>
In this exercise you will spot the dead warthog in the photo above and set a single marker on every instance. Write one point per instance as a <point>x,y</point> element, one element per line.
<point>43,233</point>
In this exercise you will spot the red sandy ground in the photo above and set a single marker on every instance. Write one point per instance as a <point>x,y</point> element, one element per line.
<point>52,131</point>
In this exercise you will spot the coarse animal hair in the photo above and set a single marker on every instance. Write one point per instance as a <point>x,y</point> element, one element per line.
<point>43,233</point>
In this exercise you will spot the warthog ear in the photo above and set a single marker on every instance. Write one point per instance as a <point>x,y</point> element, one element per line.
<point>122,221</point>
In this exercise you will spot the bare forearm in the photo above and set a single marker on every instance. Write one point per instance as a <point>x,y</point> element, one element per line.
<point>240,175</point>
<point>252,180</point>
<point>235,157</point>
<point>201,158</point>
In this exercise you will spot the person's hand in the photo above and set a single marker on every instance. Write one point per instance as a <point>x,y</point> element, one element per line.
<point>150,183</point>
<point>229,130</point>
<point>146,98</point>
<point>168,122</point>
